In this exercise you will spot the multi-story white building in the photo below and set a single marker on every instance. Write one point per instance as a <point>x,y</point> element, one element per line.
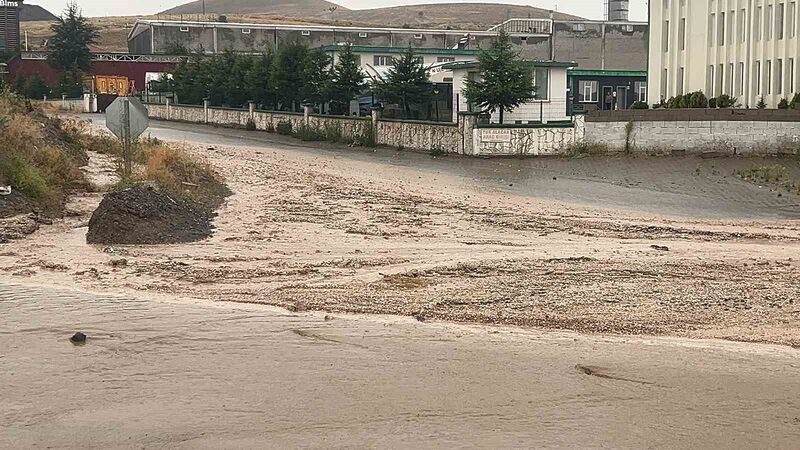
<point>744,48</point>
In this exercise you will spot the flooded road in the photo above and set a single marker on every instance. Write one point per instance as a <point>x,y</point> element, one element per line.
<point>678,186</point>
<point>194,374</point>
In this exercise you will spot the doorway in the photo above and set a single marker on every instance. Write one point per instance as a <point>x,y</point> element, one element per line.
<point>607,101</point>
<point>622,97</point>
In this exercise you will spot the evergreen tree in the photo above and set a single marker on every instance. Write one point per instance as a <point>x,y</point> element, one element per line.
<point>70,55</point>
<point>406,83</point>
<point>347,80</point>
<point>286,78</point>
<point>316,77</point>
<point>505,81</point>
<point>257,81</point>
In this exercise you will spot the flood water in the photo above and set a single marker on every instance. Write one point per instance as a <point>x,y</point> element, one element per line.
<point>175,373</point>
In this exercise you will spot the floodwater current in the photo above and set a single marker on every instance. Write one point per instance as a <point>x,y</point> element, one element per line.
<point>191,374</point>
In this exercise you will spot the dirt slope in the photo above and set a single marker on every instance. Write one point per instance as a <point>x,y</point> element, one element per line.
<point>289,8</point>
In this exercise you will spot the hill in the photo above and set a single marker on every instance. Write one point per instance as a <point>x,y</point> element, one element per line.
<point>453,15</point>
<point>286,8</point>
<point>32,13</point>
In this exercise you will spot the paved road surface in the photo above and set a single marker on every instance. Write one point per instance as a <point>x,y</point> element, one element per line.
<point>180,374</point>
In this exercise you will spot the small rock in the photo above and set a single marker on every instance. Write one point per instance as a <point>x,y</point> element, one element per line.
<point>661,248</point>
<point>328,318</point>
<point>419,317</point>
<point>118,262</point>
<point>78,338</point>
<point>555,178</point>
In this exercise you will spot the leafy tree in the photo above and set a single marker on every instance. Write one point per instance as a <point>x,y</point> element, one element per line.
<point>406,83</point>
<point>316,77</point>
<point>347,80</point>
<point>505,81</point>
<point>286,78</point>
<point>32,87</point>
<point>72,36</point>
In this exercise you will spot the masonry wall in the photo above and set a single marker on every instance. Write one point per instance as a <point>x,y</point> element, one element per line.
<point>526,141</point>
<point>695,131</point>
<point>420,135</point>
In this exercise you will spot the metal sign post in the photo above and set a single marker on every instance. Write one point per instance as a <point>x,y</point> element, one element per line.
<point>127,118</point>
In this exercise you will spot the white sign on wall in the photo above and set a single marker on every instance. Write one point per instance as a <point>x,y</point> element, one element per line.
<point>496,136</point>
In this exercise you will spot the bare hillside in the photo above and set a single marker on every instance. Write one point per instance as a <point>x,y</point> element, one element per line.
<point>287,8</point>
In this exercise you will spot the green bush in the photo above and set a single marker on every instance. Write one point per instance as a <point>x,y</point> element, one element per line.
<point>696,100</point>
<point>436,152</point>
<point>761,104</point>
<point>284,127</point>
<point>333,132</point>
<point>783,104</point>
<point>33,87</point>
<point>795,103</point>
<point>25,177</point>
<point>311,134</point>
<point>250,125</point>
<point>726,101</point>
<point>712,102</point>
<point>639,105</point>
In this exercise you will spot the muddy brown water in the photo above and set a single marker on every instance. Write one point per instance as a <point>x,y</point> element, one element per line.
<point>159,372</point>
<point>676,186</point>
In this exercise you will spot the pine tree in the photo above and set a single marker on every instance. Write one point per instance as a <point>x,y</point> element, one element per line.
<point>406,83</point>
<point>70,55</point>
<point>505,81</point>
<point>347,80</point>
<point>257,81</point>
<point>316,77</point>
<point>761,104</point>
<point>286,78</point>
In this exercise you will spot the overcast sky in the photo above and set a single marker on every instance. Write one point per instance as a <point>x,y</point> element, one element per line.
<point>592,9</point>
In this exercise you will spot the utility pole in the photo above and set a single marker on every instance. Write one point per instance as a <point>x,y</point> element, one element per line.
<point>126,137</point>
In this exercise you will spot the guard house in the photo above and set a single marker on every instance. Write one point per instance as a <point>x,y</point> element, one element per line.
<point>9,24</point>
<point>550,104</point>
<point>606,90</point>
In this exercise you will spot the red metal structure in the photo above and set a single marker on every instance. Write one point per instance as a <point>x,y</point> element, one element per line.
<point>132,67</point>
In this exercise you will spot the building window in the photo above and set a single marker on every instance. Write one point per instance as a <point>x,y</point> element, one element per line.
<point>711,23</point>
<point>730,79</point>
<point>731,19</point>
<point>362,35</point>
<point>588,91</point>
<point>682,34</point>
<point>757,24</point>
<point>768,78</point>
<point>541,81</point>
<point>770,22</point>
<point>418,36</point>
<point>679,87</point>
<point>779,20</point>
<point>740,84</point>
<point>445,59</point>
<point>184,29</point>
<point>665,35</point>
<point>757,78</point>
<point>578,27</point>
<point>710,81</point>
<point>790,75</point>
<point>245,30</point>
<point>721,29</point>
<point>305,33</point>
<point>779,76</point>
<point>792,25</point>
<point>640,90</point>
<point>382,61</point>
<point>720,81</point>
<point>664,81</point>
<point>740,27</point>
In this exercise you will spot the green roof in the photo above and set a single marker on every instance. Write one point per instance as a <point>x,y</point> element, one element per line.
<point>607,73</point>
<point>417,50</point>
<point>532,63</point>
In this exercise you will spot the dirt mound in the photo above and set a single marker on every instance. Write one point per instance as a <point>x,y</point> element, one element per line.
<point>146,214</point>
<point>15,204</point>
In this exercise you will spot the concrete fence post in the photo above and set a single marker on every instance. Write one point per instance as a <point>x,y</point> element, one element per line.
<point>376,111</point>
<point>64,102</point>
<point>87,103</point>
<point>169,109</point>
<point>308,110</point>
<point>95,108</point>
<point>468,122</point>
<point>205,109</point>
<point>251,108</point>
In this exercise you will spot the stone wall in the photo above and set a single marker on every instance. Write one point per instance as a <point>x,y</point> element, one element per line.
<point>419,135</point>
<point>531,140</point>
<point>696,131</point>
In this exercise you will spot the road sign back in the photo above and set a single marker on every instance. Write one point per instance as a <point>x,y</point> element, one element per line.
<point>136,114</point>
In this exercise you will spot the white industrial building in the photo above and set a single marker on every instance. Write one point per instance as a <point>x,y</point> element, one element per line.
<point>744,48</point>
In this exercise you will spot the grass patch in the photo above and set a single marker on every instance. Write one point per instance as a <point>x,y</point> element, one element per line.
<point>767,174</point>
<point>587,148</point>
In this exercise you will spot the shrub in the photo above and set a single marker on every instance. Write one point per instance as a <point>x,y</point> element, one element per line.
<point>365,136</point>
<point>795,102</point>
<point>270,128</point>
<point>333,131</point>
<point>184,175</point>
<point>587,148</point>
<point>438,152</point>
<point>308,133</point>
<point>712,102</point>
<point>639,105</point>
<point>284,127</point>
<point>761,104</point>
<point>726,101</point>
<point>696,100</point>
<point>250,125</point>
<point>783,104</point>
